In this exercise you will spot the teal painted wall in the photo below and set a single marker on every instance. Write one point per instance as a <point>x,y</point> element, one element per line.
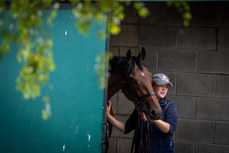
<point>76,101</point>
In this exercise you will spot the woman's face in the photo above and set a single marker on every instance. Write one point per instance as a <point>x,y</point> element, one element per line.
<point>160,90</point>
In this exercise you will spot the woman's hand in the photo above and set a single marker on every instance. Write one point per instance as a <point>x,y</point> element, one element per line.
<point>108,109</point>
<point>143,117</point>
<point>162,125</point>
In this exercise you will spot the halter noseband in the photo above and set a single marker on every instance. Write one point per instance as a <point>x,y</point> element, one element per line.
<point>136,100</point>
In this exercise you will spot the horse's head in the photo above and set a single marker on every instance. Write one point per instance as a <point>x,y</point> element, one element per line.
<point>137,85</point>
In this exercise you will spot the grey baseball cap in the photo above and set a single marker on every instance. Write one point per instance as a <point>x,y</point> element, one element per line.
<point>161,79</point>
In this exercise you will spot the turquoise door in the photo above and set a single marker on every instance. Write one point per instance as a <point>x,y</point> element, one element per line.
<point>76,101</point>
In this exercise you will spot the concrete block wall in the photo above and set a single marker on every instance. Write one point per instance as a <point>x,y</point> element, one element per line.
<point>196,59</point>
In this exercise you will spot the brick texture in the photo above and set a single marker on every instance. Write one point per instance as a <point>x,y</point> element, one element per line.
<point>112,145</point>
<point>195,58</point>
<point>125,106</point>
<point>157,37</point>
<point>185,106</point>
<point>195,131</point>
<point>185,60</point>
<point>223,42</point>
<point>214,15</point>
<point>222,132</point>
<point>151,58</point>
<point>203,148</point>
<point>197,38</point>
<point>222,86</point>
<point>128,36</point>
<point>161,14</point>
<point>213,109</point>
<point>181,147</point>
<point>213,62</point>
<point>195,84</point>
<point>124,145</point>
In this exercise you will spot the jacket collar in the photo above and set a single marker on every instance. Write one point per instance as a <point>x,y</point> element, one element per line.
<point>162,101</point>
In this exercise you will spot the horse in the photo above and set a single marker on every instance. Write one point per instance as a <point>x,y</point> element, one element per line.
<point>129,74</point>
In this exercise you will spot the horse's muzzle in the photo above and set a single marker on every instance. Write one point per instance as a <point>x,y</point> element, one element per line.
<point>155,114</point>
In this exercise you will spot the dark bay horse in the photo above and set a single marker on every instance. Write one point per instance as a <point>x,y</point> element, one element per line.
<point>131,76</point>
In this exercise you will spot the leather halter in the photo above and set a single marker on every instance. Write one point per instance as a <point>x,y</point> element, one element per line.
<point>136,100</point>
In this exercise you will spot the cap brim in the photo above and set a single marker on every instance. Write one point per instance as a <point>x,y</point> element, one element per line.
<point>161,82</point>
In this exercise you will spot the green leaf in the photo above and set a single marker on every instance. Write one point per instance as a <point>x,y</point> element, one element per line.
<point>187,16</point>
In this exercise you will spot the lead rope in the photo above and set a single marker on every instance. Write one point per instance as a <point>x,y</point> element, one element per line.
<point>149,134</point>
<point>136,131</point>
<point>141,145</point>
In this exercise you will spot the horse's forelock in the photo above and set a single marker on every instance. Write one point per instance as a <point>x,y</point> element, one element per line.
<point>117,61</point>
<point>132,65</point>
<point>140,64</point>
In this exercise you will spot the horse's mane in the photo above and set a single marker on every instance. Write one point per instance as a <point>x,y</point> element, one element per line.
<point>117,61</point>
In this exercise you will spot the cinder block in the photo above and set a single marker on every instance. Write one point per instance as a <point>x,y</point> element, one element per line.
<point>123,51</point>
<point>131,15</point>
<point>116,133</point>
<point>185,106</point>
<point>183,148</point>
<point>176,60</point>
<point>112,145</point>
<point>162,14</point>
<point>168,15</point>
<point>214,15</point>
<point>197,38</point>
<point>152,18</point>
<point>124,145</point>
<point>222,86</point>
<point>213,109</point>
<point>223,39</point>
<point>222,133</point>
<point>195,84</point>
<point>125,106</point>
<point>211,148</point>
<point>213,62</point>
<point>191,131</point>
<point>114,50</point>
<point>151,59</point>
<point>127,37</point>
<point>150,36</point>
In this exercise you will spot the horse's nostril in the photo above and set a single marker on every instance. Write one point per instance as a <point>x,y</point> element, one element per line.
<point>154,113</point>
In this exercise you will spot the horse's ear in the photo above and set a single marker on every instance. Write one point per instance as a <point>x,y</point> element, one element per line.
<point>128,56</point>
<point>142,55</point>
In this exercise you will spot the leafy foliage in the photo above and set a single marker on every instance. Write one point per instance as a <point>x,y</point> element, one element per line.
<point>182,6</point>
<point>101,67</point>
<point>21,21</point>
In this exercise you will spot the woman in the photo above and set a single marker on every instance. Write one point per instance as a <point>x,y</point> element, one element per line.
<point>154,137</point>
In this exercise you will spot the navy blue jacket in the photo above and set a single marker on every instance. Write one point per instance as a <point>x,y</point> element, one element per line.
<point>159,141</point>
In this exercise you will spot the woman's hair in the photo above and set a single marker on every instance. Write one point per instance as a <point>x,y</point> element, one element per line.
<point>153,84</point>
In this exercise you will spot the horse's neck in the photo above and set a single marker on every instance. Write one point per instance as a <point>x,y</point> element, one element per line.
<point>114,84</point>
